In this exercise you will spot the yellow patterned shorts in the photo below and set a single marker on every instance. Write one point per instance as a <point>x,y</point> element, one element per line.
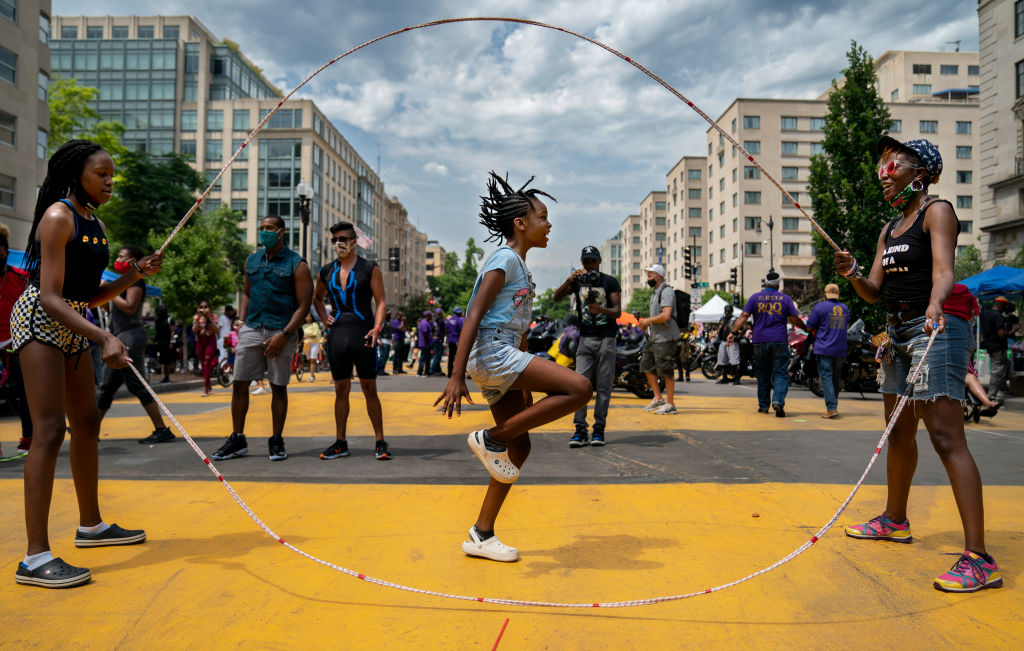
<point>30,322</point>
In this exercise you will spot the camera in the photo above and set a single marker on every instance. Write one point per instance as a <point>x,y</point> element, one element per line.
<point>591,279</point>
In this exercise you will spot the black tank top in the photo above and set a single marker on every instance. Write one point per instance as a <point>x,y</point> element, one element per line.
<point>86,255</point>
<point>352,304</point>
<point>907,260</point>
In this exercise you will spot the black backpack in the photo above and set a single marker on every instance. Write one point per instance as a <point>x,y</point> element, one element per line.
<point>681,308</point>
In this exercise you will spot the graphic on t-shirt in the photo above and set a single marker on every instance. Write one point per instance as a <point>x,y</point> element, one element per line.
<point>588,295</point>
<point>837,320</point>
<point>520,296</point>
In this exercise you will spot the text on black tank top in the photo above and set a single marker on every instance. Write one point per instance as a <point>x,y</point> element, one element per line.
<point>351,304</point>
<point>907,260</point>
<point>86,255</point>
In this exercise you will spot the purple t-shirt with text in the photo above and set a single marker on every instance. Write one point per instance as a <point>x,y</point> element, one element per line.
<point>770,310</point>
<point>829,319</point>
<point>454,328</point>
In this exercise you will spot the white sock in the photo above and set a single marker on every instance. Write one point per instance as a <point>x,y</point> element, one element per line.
<point>99,528</point>
<point>35,560</point>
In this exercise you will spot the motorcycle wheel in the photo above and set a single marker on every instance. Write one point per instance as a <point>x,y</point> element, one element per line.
<point>814,384</point>
<point>642,391</point>
<point>693,363</point>
<point>225,376</point>
<point>711,369</point>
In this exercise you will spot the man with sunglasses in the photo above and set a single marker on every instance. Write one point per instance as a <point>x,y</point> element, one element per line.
<point>355,325</point>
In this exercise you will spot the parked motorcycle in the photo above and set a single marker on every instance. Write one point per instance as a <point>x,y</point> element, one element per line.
<point>860,370</point>
<point>803,367</point>
<point>709,359</point>
<point>540,337</point>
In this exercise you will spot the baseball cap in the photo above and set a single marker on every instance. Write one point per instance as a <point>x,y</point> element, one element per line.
<point>590,252</point>
<point>1002,299</point>
<point>831,290</point>
<point>457,310</point>
<point>923,149</point>
<point>656,268</point>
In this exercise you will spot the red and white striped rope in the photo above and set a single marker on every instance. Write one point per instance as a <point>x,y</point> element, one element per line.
<point>521,21</point>
<point>504,601</point>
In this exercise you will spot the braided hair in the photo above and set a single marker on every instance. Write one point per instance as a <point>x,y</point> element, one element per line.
<point>63,172</point>
<point>503,205</point>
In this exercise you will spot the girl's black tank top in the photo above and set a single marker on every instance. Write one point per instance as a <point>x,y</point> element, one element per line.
<point>907,260</point>
<point>86,255</point>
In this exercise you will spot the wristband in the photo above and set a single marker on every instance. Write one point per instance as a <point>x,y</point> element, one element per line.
<point>135,265</point>
<point>377,328</point>
<point>854,271</point>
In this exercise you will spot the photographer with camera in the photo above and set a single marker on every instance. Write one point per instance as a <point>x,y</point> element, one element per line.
<point>597,307</point>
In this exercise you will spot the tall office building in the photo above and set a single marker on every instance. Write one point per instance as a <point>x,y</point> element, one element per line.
<point>24,116</point>
<point>178,88</point>
<point>435,258</point>
<point>402,238</point>
<point>1001,141</point>
<point>686,201</point>
<point>644,242</point>
<point>611,256</point>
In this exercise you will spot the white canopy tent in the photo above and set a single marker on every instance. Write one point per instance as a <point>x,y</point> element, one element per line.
<point>711,311</point>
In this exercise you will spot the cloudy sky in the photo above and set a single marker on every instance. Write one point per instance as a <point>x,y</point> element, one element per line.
<point>444,105</point>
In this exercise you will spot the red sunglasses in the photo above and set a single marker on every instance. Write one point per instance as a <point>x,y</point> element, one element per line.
<point>890,167</point>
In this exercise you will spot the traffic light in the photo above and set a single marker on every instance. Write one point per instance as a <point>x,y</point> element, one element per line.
<point>687,263</point>
<point>394,258</point>
<point>732,275</point>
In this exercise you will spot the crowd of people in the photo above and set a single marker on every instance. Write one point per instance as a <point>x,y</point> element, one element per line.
<point>68,250</point>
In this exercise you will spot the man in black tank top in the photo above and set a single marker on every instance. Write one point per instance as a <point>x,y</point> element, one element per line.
<point>351,282</point>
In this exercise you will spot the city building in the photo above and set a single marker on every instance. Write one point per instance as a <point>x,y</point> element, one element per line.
<point>686,200</point>
<point>404,247</point>
<point>178,88</point>
<point>1001,137</point>
<point>435,258</point>
<point>611,256</point>
<point>647,242</point>
<point>24,115</point>
<point>632,267</point>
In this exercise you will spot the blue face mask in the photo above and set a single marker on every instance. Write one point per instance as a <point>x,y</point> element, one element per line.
<point>269,239</point>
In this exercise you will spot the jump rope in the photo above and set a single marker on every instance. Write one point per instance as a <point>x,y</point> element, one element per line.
<point>900,404</point>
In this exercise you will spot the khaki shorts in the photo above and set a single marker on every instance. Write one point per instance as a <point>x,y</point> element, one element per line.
<point>660,358</point>
<point>251,363</point>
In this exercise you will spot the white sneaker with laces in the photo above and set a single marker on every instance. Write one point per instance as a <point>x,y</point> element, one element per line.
<point>667,409</point>
<point>654,404</point>
<point>491,548</point>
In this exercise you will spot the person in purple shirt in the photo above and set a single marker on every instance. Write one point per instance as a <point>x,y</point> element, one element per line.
<point>454,328</point>
<point>437,342</point>
<point>829,320</point>
<point>423,342</point>
<point>771,310</point>
<point>399,328</point>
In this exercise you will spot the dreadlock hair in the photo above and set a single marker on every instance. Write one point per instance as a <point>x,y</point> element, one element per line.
<point>62,174</point>
<point>503,205</point>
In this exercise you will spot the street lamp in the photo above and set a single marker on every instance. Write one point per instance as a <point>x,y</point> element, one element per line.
<point>305,192</point>
<point>771,244</point>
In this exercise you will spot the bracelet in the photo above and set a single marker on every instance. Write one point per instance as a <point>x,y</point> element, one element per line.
<point>854,271</point>
<point>136,266</point>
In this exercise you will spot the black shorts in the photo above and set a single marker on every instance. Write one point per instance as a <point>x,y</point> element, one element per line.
<point>346,346</point>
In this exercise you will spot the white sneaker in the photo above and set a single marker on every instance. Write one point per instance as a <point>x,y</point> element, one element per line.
<point>667,409</point>
<point>259,391</point>
<point>654,404</point>
<point>497,463</point>
<point>491,548</point>
<point>311,379</point>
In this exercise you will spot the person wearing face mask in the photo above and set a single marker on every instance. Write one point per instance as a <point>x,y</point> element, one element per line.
<point>352,282</point>
<point>126,324</point>
<point>276,295</point>
<point>662,349</point>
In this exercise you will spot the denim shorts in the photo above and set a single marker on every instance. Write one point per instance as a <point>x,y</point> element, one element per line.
<point>942,373</point>
<point>496,361</point>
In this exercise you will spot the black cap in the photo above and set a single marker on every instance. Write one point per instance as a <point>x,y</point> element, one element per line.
<point>590,252</point>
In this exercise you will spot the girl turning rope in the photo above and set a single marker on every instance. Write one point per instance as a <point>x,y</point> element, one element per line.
<point>492,348</point>
<point>913,269</point>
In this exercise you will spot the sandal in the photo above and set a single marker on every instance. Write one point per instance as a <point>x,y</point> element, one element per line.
<point>494,459</point>
<point>53,574</point>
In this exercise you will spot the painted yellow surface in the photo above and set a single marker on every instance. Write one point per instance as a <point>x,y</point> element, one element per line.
<point>208,577</point>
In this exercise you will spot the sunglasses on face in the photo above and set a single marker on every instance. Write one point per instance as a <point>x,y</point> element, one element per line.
<point>341,239</point>
<point>890,167</point>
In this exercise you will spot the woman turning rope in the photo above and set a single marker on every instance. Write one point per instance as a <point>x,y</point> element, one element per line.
<point>67,253</point>
<point>913,270</point>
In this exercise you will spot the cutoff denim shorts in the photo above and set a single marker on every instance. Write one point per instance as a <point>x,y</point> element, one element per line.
<point>942,373</point>
<point>496,361</point>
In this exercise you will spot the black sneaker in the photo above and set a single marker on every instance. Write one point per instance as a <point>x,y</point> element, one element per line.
<point>579,439</point>
<point>162,435</point>
<point>112,535</point>
<point>337,449</point>
<point>276,447</point>
<point>383,450</point>
<point>54,574</point>
<point>597,438</point>
<point>235,446</point>
<point>779,411</point>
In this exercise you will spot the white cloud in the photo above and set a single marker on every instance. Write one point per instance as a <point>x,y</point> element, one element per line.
<point>436,168</point>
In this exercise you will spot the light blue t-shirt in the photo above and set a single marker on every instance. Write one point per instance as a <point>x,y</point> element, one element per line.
<point>518,287</point>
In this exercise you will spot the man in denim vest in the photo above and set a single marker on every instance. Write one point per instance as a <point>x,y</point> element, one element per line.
<point>276,297</point>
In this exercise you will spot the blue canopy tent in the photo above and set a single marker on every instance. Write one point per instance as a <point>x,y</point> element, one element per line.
<point>997,281</point>
<point>16,259</point>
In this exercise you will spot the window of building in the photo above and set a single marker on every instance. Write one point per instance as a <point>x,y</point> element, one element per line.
<point>751,248</point>
<point>929,126</point>
<point>68,31</point>
<point>964,201</point>
<point>8,66</point>
<point>161,118</point>
<point>94,31</point>
<point>721,184</point>
<point>242,155</point>
<point>963,151</point>
<point>8,128</point>
<point>9,10</point>
<point>7,184</point>
<point>239,179</point>
<point>787,202</point>
<point>735,251</point>
<point>789,148</point>
<point>659,237</point>
<point>171,31</point>
<point>949,69</point>
<point>694,213</point>
<point>896,126</point>
<point>214,120</point>
<point>44,28</point>
<point>964,176</point>
<point>752,146</point>
<point>721,160</point>
<point>711,235</point>
<point>817,124</point>
<point>144,31</point>
<point>734,175</point>
<point>711,214</point>
<point>210,175</point>
<point>790,223</point>
<point>922,89</point>
<point>734,204</point>
<point>790,248</point>
<point>696,251</point>
<point>750,197</point>
<point>240,120</point>
<point>693,193</point>
<point>283,119</point>
<point>659,205</point>
<point>659,221</point>
<point>967,226</point>
<point>189,121</point>
<point>636,239</point>
<point>44,85</point>
<point>693,174</point>
<point>709,149</point>
<point>922,68</point>
<point>721,207</point>
<point>963,127</point>
<point>973,70</point>
<point>788,123</point>
<point>636,227</point>
<point>1018,18</point>
<point>240,206</point>
<point>636,252</point>
<point>751,122</point>
<point>751,172</point>
<point>694,231</point>
<point>188,149</point>
<point>214,150</point>
<point>751,223</point>
<point>817,148</point>
<point>894,95</point>
<point>790,173</point>
<point>735,222</point>
<point>119,31</point>
<point>721,231</point>
<point>734,125</point>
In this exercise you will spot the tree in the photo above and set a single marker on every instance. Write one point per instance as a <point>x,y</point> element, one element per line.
<point>223,222</point>
<point>968,263</point>
<point>454,287</point>
<point>843,184</point>
<point>640,301</point>
<point>545,304</point>
<point>721,293</point>
<point>71,116</point>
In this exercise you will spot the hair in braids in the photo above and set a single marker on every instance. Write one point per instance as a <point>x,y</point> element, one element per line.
<point>503,205</point>
<point>62,174</point>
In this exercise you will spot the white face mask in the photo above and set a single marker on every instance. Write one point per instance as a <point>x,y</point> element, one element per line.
<point>343,248</point>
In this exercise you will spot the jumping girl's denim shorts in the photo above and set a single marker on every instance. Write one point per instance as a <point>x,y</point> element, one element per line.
<point>942,373</point>
<point>496,361</point>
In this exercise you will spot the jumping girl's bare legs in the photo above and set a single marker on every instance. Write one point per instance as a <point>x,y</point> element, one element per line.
<point>901,459</point>
<point>512,403</point>
<point>567,392</point>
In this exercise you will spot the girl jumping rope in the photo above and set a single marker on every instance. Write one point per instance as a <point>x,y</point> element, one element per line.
<point>493,349</point>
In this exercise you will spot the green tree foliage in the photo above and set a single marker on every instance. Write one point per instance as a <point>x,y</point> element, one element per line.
<point>843,184</point>
<point>414,308</point>
<point>151,196</point>
<point>454,287</point>
<point>968,263</point>
<point>640,301</point>
<point>721,293</point>
<point>545,304</point>
<point>71,116</point>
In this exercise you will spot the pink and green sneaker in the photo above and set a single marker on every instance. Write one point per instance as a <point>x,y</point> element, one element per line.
<point>970,573</point>
<point>882,528</point>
